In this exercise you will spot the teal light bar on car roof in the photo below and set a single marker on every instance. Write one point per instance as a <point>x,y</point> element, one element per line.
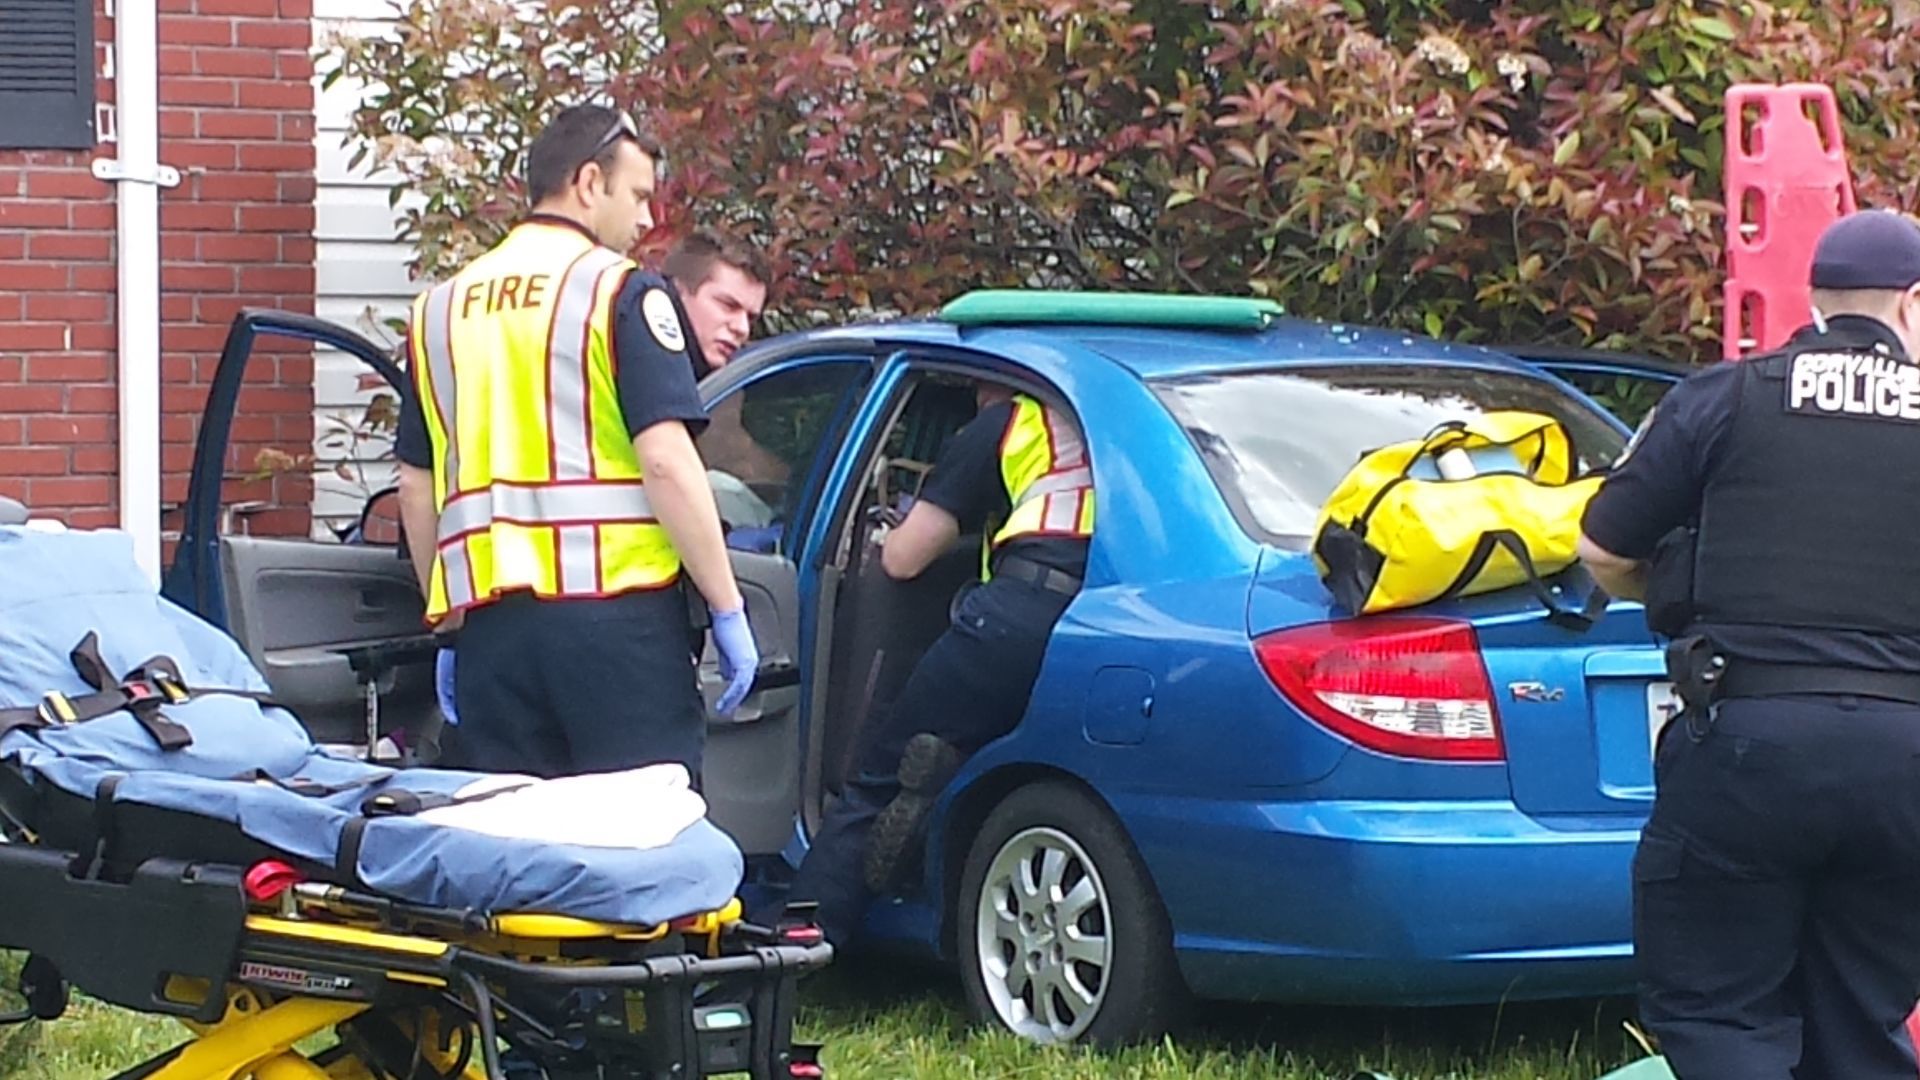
<point>986,307</point>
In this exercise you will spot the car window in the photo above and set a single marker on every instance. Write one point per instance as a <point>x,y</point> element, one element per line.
<point>1629,397</point>
<point>1278,441</point>
<point>766,438</point>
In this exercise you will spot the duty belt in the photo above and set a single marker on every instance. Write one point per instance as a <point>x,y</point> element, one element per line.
<point>1052,579</point>
<point>1746,678</point>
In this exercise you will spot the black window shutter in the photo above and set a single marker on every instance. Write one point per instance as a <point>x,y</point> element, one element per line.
<point>46,74</point>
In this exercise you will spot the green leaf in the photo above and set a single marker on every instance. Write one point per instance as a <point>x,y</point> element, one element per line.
<point>1179,198</point>
<point>1712,27</point>
<point>1568,147</point>
<point>1435,324</point>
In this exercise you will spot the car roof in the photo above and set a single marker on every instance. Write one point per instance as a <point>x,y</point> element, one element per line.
<point>1157,352</point>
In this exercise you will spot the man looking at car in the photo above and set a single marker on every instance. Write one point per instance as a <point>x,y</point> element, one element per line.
<point>722,284</point>
<point>1021,464</point>
<point>549,482</point>
<point>1769,516</point>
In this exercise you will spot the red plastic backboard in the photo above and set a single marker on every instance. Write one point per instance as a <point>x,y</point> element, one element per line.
<point>1786,181</point>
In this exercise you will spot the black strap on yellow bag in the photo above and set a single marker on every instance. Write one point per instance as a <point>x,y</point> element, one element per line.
<point>1396,533</point>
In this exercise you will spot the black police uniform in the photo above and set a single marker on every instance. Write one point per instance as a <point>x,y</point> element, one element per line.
<point>972,685</point>
<point>557,687</point>
<point>1777,882</point>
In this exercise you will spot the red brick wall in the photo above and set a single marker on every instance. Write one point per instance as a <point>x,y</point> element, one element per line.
<point>236,120</point>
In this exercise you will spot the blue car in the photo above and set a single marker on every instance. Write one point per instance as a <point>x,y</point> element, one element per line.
<point>1225,787</point>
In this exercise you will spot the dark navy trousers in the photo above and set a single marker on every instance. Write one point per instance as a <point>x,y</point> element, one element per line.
<point>562,687</point>
<point>1777,891</point>
<point>969,689</point>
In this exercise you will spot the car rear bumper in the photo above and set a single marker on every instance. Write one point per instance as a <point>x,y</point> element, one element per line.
<point>1411,903</point>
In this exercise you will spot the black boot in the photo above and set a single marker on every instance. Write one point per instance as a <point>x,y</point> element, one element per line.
<point>892,848</point>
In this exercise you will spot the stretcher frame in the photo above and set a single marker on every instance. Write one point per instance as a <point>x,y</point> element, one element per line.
<point>257,957</point>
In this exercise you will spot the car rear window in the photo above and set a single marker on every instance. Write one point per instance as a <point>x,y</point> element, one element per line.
<point>1278,441</point>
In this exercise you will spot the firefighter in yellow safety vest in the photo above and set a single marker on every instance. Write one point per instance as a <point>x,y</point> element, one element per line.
<point>1022,464</point>
<point>550,489</point>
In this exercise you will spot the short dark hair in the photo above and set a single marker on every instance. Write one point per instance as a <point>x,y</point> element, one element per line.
<point>691,261</point>
<point>581,133</point>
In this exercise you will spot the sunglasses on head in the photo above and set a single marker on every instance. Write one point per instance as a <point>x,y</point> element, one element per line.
<point>623,127</point>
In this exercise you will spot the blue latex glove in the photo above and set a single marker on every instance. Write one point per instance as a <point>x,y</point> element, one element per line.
<point>739,658</point>
<point>763,540</point>
<point>443,684</point>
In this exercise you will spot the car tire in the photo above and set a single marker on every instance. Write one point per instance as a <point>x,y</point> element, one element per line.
<point>1060,934</point>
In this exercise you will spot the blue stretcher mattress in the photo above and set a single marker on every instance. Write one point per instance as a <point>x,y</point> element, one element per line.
<point>56,588</point>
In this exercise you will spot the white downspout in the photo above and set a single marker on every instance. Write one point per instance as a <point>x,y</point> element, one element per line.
<point>140,176</point>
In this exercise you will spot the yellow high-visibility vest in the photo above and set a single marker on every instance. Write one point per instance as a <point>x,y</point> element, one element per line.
<point>1043,462</point>
<point>536,481</point>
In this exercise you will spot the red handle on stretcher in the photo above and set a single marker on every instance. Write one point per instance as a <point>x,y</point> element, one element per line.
<point>267,879</point>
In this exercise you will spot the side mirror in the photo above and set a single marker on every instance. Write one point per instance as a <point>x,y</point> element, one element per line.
<point>379,522</point>
<point>12,512</point>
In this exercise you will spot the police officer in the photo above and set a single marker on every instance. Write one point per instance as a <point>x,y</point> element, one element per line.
<point>549,484</point>
<point>1019,463</point>
<point>1770,516</point>
<point>722,284</point>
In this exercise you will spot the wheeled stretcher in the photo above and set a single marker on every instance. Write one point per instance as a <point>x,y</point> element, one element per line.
<point>172,842</point>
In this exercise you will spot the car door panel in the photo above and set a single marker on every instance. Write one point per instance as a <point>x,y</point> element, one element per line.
<point>752,758</point>
<point>294,604</point>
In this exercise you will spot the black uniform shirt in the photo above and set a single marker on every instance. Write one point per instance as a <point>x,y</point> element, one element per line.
<point>654,382</point>
<point>966,482</point>
<point>1660,483</point>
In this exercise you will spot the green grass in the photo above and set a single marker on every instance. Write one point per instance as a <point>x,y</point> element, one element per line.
<point>887,1024</point>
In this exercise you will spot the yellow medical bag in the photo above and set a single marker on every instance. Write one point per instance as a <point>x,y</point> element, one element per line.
<point>1474,507</point>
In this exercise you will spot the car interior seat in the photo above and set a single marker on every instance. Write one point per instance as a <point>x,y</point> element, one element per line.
<point>889,625</point>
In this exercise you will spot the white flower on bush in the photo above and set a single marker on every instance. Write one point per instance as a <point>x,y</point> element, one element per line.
<point>1513,69</point>
<point>1690,217</point>
<point>1496,160</point>
<point>1444,53</point>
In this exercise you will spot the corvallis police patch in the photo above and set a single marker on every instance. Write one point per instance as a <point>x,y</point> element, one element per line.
<point>1864,384</point>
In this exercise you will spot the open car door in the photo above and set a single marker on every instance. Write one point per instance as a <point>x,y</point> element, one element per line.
<point>308,612</point>
<point>776,428</point>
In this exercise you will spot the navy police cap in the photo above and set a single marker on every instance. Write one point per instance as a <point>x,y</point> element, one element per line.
<point>1870,249</point>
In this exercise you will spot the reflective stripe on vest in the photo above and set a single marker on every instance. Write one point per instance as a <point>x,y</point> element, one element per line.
<point>540,487</point>
<point>1043,461</point>
<point>545,504</point>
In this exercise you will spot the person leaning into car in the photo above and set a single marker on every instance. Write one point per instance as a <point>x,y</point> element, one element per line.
<point>1770,517</point>
<point>1018,462</point>
<point>550,488</point>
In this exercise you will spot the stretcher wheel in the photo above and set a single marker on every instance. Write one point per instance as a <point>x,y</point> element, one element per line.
<point>45,991</point>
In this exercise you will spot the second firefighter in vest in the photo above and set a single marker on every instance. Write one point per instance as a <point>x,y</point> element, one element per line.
<point>1017,473</point>
<point>550,487</point>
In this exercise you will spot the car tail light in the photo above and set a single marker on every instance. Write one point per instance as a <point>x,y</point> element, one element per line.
<point>1412,687</point>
